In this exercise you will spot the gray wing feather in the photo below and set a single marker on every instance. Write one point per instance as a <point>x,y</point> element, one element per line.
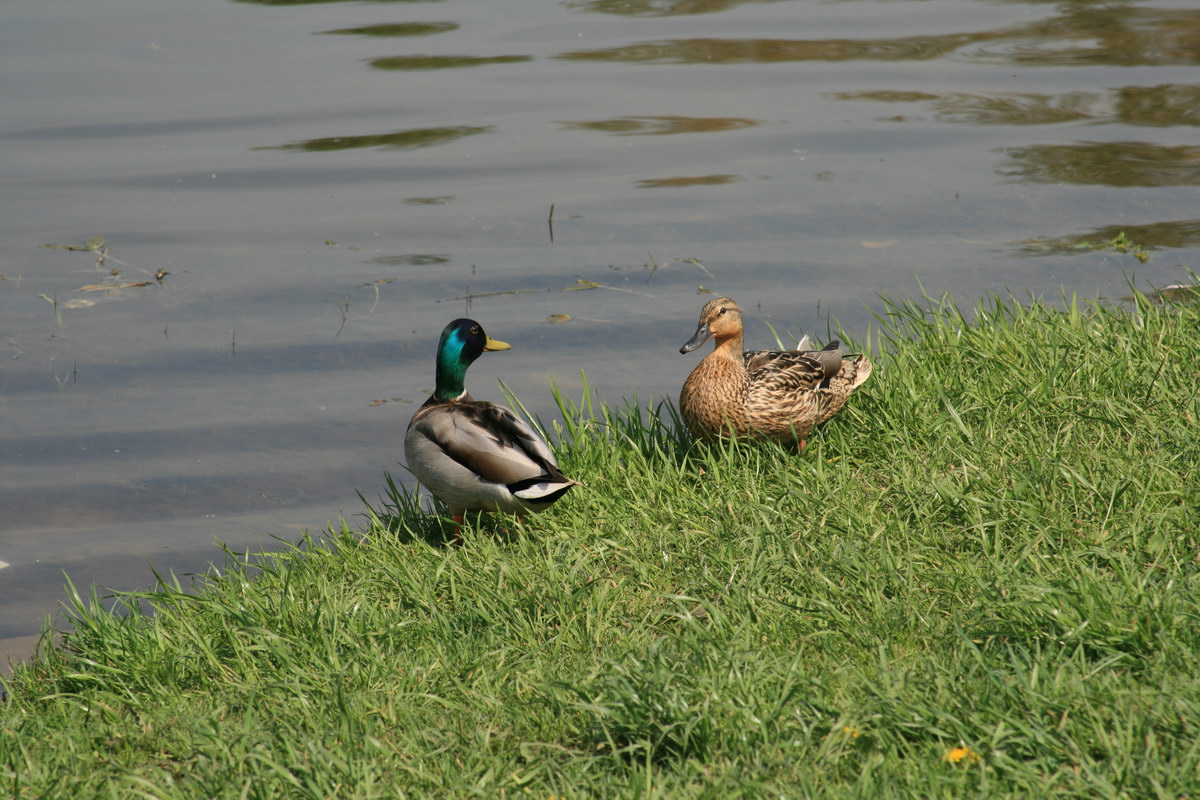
<point>489,440</point>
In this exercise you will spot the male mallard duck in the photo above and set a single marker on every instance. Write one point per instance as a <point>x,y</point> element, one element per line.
<point>474,455</point>
<point>773,394</point>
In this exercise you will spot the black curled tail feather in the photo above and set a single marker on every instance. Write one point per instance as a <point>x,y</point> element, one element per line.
<point>519,486</point>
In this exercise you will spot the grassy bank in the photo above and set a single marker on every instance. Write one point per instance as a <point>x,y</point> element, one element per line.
<point>981,579</point>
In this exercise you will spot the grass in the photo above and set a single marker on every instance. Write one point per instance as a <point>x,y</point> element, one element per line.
<point>982,579</point>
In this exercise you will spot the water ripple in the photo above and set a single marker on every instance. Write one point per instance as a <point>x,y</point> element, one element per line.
<point>1105,164</point>
<point>658,126</point>
<point>676,183</point>
<point>657,8</point>
<point>1181,233</point>
<point>398,29</point>
<point>412,139</point>
<point>1080,36</point>
<point>419,63</point>
<point>1101,35</point>
<point>315,2</point>
<point>1165,105</point>
<point>410,260</point>
<point>769,51</point>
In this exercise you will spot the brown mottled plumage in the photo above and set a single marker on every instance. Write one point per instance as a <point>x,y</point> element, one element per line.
<point>772,394</point>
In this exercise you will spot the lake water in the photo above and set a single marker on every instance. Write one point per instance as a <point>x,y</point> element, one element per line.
<point>323,183</point>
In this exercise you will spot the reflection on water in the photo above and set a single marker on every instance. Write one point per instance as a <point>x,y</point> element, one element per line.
<point>1106,164</point>
<point>417,63</point>
<point>654,126</point>
<point>675,183</point>
<point>400,140</point>
<point>1081,36</point>
<point>659,8</point>
<point>429,201</point>
<point>400,29</point>
<point>1153,236</point>
<point>1088,34</point>
<point>772,51</point>
<point>1006,109</point>
<point>1159,106</point>
<point>412,260</point>
<point>314,2</point>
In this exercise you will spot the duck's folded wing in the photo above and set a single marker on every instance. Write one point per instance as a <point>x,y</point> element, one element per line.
<point>788,374</point>
<point>490,441</point>
<point>829,358</point>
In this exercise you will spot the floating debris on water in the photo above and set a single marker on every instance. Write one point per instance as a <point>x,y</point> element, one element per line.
<point>374,403</point>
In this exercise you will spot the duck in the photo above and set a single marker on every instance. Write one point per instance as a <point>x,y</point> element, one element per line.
<point>474,455</point>
<point>762,394</point>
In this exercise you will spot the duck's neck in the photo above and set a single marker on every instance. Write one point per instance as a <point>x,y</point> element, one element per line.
<point>730,347</point>
<point>451,372</point>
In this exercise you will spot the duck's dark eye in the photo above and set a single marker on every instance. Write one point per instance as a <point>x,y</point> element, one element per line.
<point>722,311</point>
<point>475,331</point>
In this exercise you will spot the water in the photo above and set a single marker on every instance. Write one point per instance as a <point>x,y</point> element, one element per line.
<point>324,183</point>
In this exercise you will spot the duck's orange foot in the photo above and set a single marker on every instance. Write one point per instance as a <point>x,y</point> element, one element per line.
<point>520,523</point>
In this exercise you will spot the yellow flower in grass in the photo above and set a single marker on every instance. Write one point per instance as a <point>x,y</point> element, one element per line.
<point>960,754</point>
<point>851,731</point>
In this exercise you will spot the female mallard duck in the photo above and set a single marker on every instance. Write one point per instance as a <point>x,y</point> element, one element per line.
<point>772,394</point>
<point>474,455</point>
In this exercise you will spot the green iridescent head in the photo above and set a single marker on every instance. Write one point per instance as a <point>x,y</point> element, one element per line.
<point>463,341</point>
